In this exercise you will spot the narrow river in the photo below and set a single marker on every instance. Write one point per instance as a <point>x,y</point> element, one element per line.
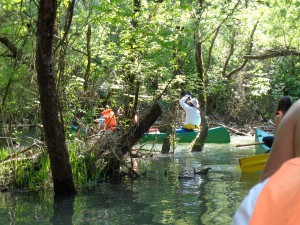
<point>157,198</point>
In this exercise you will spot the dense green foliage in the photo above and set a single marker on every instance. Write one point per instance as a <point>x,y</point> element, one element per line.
<point>148,43</point>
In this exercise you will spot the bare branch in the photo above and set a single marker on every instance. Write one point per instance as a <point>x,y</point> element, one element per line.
<point>232,45</point>
<point>225,19</point>
<point>230,74</point>
<point>16,53</point>
<point>273,54</point>
<point>212,44</point>
<point>89,57</point>
<point>68,24</point>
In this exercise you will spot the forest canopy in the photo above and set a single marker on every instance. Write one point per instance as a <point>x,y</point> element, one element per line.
<point>104,50</point>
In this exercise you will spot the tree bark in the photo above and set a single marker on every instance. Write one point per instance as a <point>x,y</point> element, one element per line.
<point>68,23</point>
<point>16,52</point>
<point>130,138</point>
<point>130,77</point>
<point>273,54</point>
<point>88,66</point>
<point>166,146</point>
<point>137,130</point>
<point>245,61</point>
<point>199,143</point>
<point>54,131</point>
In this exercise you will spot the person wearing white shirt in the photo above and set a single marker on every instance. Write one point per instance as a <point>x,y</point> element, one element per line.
<point>192,113</point>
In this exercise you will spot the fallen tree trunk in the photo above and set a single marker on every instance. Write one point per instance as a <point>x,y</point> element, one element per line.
<point>137,130</point>
<point>112,147</point>
<point>237,132</point>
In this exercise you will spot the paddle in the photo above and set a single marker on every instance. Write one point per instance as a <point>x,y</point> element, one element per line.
<point>255,143</point>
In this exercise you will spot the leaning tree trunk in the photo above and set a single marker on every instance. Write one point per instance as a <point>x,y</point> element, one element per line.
<point>130,138</point>
<point>137,130</point>
<point>53,127</point>
<point>199,143</point>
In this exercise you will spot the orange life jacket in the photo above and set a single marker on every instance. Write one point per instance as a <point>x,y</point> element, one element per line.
<point>110,120</point>
<point>279,201</point>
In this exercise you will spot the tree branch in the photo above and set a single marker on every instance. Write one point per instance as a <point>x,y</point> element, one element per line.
<point>212,44</point>
<point>273,54</point>
<point>224,20</point>
<point>232,45</point>
<point>230,74</point>
<point>16,53</point>
<point>89,57</point>
<point>68,24</point>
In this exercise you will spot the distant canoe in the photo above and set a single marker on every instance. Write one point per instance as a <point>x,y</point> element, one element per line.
<point>256,163</point>
<point>259,135</point>
<point>217,135</point>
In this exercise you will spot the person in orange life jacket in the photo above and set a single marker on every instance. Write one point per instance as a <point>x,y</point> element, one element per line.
<point>276,199</point>
<point>283,105</point>
<point>107,120</point>
<point>192,114</point>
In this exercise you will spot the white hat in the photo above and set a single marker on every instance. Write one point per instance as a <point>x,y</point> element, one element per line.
<point>195,102</point>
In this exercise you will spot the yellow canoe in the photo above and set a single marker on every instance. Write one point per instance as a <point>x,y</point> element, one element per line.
<point>254,163</point>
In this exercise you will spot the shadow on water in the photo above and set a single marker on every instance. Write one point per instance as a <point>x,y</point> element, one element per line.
<point>63,210</point>
<point>159,197</point>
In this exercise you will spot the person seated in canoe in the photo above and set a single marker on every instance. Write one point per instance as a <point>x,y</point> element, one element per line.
<point>192,114</point>
<point>275,199</point>
<point>283,106</point>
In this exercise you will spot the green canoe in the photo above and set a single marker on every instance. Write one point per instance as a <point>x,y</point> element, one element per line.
<point>215,135</point>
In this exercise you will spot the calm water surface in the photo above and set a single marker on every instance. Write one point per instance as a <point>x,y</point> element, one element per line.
<point>154,199</point>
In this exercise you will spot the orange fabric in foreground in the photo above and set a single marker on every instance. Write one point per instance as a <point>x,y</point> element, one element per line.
<point>279,201</point>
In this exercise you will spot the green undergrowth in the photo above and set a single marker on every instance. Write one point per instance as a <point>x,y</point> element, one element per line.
<point>4,152</point>
<point>23,170</point>
<point>87,170</point>
<point>33,172</point>
<point>32,175</point>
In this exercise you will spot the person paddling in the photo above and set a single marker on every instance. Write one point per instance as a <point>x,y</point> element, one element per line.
<point>283,106</point>
<point>192,114</point>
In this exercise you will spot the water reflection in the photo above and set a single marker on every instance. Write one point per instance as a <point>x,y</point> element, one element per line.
<point>63,210</point>
<point>157,198</point>
<point>112,204</point>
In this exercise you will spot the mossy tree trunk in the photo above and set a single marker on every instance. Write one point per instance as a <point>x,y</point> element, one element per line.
<point>53,125</point>
<point>199,143</point>
<point>166,146</point>
<point>130,138</point>
<point>202,68</point>
<point>172,113</point>
<point>130,77</point>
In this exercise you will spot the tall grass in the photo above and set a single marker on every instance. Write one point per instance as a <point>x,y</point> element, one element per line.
<point>86,168</point>
<point>33,172</point>
<point>4,152</point>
